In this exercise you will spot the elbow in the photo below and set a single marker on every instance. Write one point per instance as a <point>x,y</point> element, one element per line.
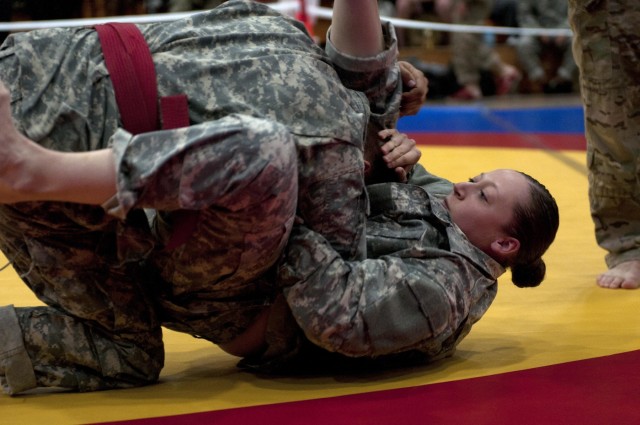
<point>346,339</point>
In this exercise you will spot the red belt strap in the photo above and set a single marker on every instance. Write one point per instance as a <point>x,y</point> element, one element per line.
<point>133,75</point>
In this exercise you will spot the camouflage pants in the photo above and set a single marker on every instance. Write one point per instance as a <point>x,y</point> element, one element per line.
<point>100,277</point>
<point>99,329</point>
<point>608,55</point>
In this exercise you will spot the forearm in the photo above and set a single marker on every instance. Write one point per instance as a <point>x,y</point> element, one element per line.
<point>39,174</point>
<point>82,177</point>
<point>377,76</point>
<point>355,27</point>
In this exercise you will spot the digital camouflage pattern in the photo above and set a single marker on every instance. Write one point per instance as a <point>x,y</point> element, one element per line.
<point>265,102</point>
<point>88,266</point>
<point>421,289</point>
<point>608,55</point>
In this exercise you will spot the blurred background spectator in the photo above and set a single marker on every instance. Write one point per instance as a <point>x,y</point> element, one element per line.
<point>536,51</point>
<point>476,68</point>
<point>472,53</point>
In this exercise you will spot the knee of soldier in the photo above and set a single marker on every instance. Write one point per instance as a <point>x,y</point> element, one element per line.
<point>275,163</point>
<point>279,146</point>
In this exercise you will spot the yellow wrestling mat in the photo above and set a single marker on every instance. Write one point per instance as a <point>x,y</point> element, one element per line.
<point>567,318</point>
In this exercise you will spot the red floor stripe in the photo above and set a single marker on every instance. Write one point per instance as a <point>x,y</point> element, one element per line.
<point>596,391</point>
<point>503,140</point>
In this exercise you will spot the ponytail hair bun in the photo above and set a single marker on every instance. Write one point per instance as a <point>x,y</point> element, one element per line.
<point>528,275</point>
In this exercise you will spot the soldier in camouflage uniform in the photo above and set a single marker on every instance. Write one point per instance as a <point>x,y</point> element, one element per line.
<point>608,56</point>
<point>275,119</point>
<point>431,272</point>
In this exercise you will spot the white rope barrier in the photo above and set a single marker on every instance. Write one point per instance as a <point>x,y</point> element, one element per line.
<point>484,29</point>
<point>288,7</point>
<point>324,12</point>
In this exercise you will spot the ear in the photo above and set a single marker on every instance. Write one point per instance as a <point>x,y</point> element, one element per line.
<point>505,246</point>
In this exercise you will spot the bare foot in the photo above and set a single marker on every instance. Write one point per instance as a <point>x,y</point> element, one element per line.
<point>625,275</point>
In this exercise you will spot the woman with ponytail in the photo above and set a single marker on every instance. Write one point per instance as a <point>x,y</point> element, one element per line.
<point>435,251</point>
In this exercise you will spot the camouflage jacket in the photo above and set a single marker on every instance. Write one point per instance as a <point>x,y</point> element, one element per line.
<point>420,291</point>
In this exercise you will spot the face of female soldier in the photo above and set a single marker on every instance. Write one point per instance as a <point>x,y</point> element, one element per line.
<point>483,209</point>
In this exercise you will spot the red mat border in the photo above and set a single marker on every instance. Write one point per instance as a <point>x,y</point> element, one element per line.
<point>599,391</point>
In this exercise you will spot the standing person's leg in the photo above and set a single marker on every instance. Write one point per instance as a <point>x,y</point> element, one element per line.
<point>608,56</point>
